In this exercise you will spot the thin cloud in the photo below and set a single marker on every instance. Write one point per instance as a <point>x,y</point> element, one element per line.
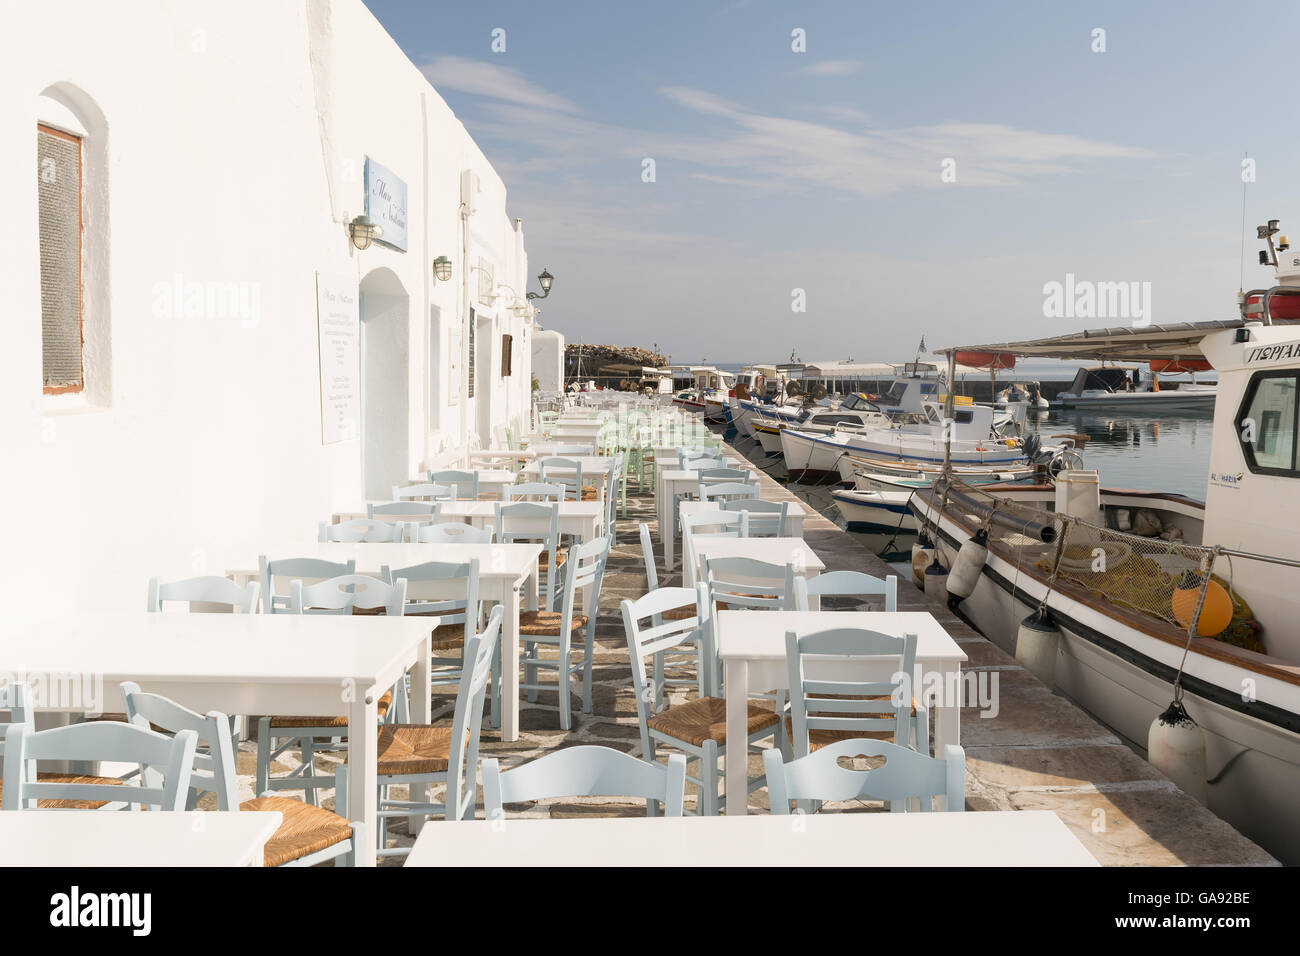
<point>832,68</point>
<point>503,83</point>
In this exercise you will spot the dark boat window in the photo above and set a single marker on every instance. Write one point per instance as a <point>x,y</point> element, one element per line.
<point>1267,425</point>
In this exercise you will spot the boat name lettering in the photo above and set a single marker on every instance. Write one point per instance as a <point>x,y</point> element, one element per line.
<point>1274,353</point>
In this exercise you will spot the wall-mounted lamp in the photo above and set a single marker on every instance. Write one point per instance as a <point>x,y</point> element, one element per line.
<point>364,231</point>
<point>442,268</point>
<point>544,280</point>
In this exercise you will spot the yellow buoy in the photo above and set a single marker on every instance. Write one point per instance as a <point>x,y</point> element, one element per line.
<point>1216,613</point>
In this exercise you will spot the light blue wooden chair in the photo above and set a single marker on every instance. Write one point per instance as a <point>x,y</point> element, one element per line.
<point>536,522</point>
<point>307,570</point>
<point>205,593</point>
<point>422,754</point>
<point>452,532</point>
<point>616,488</point>
<point>465,483</point>
<point>846,584</point>
<point>425,491</point>
<point>535,491</point>
<point>585,568</point>
<point>697,727</point>
<point>906,775</point>
<point>369,530</point>
<point>688,652</point>
<point>721,492</point>
<point>308,835</point>
<point>586,772</point>
<point>711,523</point>
<point>165,762</point>
<point>823,711</point>
<point>277,734</point>
<point>565,472</point>
<point>740,583</point>
<point>766,518</point>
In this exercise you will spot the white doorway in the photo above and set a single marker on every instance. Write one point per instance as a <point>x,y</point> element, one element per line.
<point>484,376</point>
<point>385,392</point>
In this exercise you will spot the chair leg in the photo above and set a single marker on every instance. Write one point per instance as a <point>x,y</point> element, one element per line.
<point>530,671</point>
<point>264,747</point>
<point>494,687</point>
<point>563,682</point>
<point>587,653</point>
<point>709,778</point>
<point>308,754</point>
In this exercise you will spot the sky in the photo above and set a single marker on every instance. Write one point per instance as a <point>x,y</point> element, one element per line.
<point>917,170</point>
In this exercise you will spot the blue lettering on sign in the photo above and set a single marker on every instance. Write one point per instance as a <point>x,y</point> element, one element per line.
<point>386,204</point>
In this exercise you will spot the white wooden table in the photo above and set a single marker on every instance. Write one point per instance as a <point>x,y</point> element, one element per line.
<point>878,840</point>
<point>546,449</point>
<point>272,664</point>
<point>794,515</point>
<point>670,483</point>
<point>774,550</point>
<point>751,645</point>
<point>507,574</point>
<point>91,838</point>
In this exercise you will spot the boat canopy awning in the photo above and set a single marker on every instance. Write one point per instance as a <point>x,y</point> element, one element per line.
<point>1125,343</point>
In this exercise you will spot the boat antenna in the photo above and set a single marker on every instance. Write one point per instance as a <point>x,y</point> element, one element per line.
<point>1241,259</point>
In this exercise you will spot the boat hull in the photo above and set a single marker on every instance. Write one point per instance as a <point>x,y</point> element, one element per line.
<point>875,510</point>
<point>1123,676</point>
<point>812,458</point>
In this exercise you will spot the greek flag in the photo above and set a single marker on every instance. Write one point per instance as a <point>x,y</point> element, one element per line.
<point>942,375</point>
<point>920,349</point>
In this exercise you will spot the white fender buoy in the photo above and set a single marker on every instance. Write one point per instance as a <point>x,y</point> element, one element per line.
<point>966,568</point>
<point>1176,747</point>
<point>922,553</point>
<point>1037,641</point>
<point>936,580</point>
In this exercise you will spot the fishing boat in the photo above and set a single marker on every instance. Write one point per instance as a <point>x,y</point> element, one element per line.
<point>1153,597</point>
<point>853,467</point>
<point>874,510</point>
<point>1030,393</point>
<point>1110,387</point>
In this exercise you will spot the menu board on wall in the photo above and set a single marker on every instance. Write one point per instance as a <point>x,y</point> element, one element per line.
<point>339,324</point>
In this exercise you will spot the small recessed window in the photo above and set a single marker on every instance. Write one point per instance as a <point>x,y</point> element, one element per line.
<point>507,355</point>
<point>1267,424</point>
<point>59,190</point>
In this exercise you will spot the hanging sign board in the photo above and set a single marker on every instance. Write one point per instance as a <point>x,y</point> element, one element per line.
<point>386,204</point>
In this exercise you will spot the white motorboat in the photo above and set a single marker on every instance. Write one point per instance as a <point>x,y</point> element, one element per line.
<point>1030,393</point>
<point>1124,628</point>
<point>1112,388</point>
<point>875,511</point>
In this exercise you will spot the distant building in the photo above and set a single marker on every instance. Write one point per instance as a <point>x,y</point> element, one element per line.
<point>548,361</point>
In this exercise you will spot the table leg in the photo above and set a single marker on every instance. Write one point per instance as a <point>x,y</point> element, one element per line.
<point>737,757</point>
<point>510,659</point>
<point>363,779</point>
<point>947,714</point>
<point>421,713</point>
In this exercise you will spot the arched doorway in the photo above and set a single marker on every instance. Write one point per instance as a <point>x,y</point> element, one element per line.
<point>385,372</point>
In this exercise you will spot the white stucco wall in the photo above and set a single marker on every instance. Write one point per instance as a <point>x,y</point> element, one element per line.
<point>548,360</point>
<point>227,148</point>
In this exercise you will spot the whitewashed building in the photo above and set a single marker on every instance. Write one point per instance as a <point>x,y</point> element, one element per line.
<point>179,180</point>
<point>548,361</point>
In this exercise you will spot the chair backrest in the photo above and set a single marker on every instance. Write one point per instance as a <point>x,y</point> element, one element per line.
<point>213,770</point>
<point>426,491</point>
<point>363,529</point>
<point>206,590</point>
<point>452,532</point>
<point>347,592</point>
<point>467,719</point>
<point>535,491</point>
<point>529,521</point>
<point>748,583</point>
<point>13,698</point>
<point>766,518</point>
<point>649,633</point>
<point>703,451</point>
<point>95,740</point>
<point>846,584</point>
<point>904,775</point>
<point>585,772</point>
<point>713,476</point>
<point>726,491</point>
<point>565,472</point>
<point>709,463</point>
<point>307,570</point>
<point>648,557</point>
<point>448,589</point>
<point>429,510</point>
<point>465,483</point>
<point>853,706</point>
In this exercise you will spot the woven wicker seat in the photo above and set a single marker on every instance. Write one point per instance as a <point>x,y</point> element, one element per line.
<point>722,605</point>
<point>332,722</point>
<point>546,623</point>
<point>72,778</point>
<point>819,737</point>
<point>448,637</point>
<point>706,719</point>
<point>413,748</point>
<point>544,559</point>
<point>679,614</point>
<point>589,493</point>
<point>304,830</point>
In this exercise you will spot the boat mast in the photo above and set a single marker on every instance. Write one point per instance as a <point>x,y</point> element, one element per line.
<point>947,416</point>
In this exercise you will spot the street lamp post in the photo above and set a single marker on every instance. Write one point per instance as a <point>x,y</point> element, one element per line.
<point>544,280</point>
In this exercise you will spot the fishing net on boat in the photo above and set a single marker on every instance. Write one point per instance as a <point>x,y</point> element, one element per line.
<point>1135,560</point>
